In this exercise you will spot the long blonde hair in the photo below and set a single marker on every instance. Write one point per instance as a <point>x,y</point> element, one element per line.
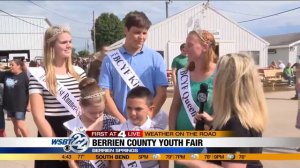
<point>50,39</point>
<point>207,38</point>
<point>238,92</point>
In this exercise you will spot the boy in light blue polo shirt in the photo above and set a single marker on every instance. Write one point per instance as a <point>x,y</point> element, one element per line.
<point>146,63</point>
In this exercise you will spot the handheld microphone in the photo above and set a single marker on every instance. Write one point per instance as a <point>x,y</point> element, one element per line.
<point>202,99</point>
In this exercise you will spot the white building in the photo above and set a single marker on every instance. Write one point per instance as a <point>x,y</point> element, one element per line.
<point>22,36</point>
<point>285,47</point>
<point>167,35</point>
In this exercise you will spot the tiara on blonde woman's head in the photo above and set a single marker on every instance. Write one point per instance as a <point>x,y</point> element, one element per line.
<point>99,94</point>
<point>57,30</point>
<point>202,35</point>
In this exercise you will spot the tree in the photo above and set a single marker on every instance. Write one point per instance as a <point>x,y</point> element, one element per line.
<point>83,53</point>
<point>74,54</point>
<point>109,29</point>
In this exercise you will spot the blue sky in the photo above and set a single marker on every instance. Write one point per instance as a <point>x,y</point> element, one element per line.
<point>81,11</point>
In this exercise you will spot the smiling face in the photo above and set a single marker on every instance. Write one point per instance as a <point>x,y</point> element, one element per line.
<point>135,37</point>
<point>63,45</point>
<point>138,110</point>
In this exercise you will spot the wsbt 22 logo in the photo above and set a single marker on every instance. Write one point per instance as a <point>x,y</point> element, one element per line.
<point>78,142</point>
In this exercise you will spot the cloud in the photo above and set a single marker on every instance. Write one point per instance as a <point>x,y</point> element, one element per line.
<point>155,10</point>
<point>262,9</point>
<point>280,24</point>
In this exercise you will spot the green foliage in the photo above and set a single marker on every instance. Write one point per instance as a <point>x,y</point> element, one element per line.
<point>109,29</point>
<point>83,53</point>
<point>74,54</point>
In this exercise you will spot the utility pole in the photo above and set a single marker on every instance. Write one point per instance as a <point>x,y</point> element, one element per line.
<point>87,45</point>
<point>167,7</point>
<point>94,32</point>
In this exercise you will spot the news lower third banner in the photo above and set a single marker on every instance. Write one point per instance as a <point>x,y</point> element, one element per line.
<point>216,156</point>
<point>142,145</point>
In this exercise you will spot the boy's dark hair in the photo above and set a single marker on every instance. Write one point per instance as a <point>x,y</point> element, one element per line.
<point>101,46</point>
<point>141,92</point>
<point>137,19</point>
<point>182,46</point>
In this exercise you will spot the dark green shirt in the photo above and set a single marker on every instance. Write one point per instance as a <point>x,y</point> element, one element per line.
<point>179,62</point>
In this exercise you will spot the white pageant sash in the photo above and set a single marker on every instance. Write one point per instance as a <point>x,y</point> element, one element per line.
<point>190,106</point>
<point>75,125</point>
<point>131,164</point>
<point>132,80</point>
<point>63,95</point>
<point>124,69</point>
<point>66,98</point>
<point>127,163</point>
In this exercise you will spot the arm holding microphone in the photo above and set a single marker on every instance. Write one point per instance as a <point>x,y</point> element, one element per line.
<point>202,117</point>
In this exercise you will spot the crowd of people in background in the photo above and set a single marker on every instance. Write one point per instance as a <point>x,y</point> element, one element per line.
<point>94,67</point>
<point>125,89</point>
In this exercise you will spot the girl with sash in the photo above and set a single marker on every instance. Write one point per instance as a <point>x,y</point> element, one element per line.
<point>92,104</point>
<point>51,85</point>
<point>239,106</point>
<point>200,45</point>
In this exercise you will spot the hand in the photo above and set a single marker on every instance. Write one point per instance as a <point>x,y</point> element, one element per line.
<point>72,164</point>
<point>122,120</point>
<point>198,164</point>
<point>151,114</point>
<point>190,163</point>
<point>97,124</point>
<point>204,116</point>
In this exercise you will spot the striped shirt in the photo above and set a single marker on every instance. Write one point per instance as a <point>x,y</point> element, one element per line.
<point>52,106</point>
